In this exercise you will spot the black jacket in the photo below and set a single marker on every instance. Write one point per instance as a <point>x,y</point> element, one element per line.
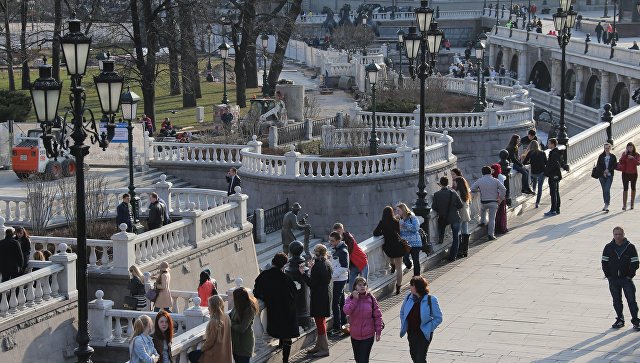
<point>513,155</point>
<point>318,281</point>
<point>156,215</point>
<point>447,202</point>
<point>624,265</point>
<point>538,161</point>
<point>613,161</point>
<point>11,259</point>
<point>136,287</point>
<point>392,246</point>
<point>233,183</point>
<point>278,292</point>
<point>25,247</point>
<point>555,164</point>
<point>124,214</point>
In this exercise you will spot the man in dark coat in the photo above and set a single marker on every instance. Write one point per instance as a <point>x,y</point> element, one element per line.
<point>233,181</point>
<point>553,171</point>
<point>124,212</point>
<point>278,292</point>
<point>156,212</point>
<point>446,203</point>
<point>11,258</point>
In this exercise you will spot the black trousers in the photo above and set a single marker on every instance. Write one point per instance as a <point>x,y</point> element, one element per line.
<point>361,349</point>
<point>617,285</point>
<point>554,191</point>
<point>418,346</point>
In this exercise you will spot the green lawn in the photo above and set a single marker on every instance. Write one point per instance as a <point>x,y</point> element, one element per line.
<point>211,95</point>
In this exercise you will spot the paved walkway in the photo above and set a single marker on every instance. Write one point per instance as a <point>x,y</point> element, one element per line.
<point>536,294</point>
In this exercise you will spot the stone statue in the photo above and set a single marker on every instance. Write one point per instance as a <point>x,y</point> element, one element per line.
<point>289,223</point>
<point>279,111</point>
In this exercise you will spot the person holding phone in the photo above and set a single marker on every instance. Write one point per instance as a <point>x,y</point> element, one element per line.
<point>365,318</point>
<point>318,278</point>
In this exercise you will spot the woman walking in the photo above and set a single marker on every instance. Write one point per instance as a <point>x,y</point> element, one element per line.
<point>217,345</point>
<point>461,186</point>
<point>389,228</point>
<point>245,308</point>
<point>163,287</point>
<point>606,166</point>
<point>22,236</point>
<point>420,315</point>
<point>206,288</point>
<point>136,287</point>
<point>629,162</point>
<point>318,280</point>
<point>512,148</point>
<point>409,227</point>
<point>501,214</point>
<point>538,160</point>
<point>162,336</point>
<point>141,348</point>
<point>365,319</point>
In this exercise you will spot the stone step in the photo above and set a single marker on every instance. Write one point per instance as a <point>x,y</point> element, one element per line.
<point>265,251</point>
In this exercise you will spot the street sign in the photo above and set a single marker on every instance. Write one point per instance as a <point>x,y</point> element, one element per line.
<point>121,135</point>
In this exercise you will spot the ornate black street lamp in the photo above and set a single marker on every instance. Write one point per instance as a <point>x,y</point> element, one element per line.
<point>129,101</point>
<point>372,74</point>
<point>265,84</point>
<point>45,93</point>
<point>480,102</point>
<point>401,35</point>
<point>429,42</point>
<point>498,16</point>
<point>224,53</point>
<point>563,20</point>
<point>209,73</point>
<point>614,35</point>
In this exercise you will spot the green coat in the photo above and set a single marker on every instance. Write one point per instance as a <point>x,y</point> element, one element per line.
<point>242,339</point>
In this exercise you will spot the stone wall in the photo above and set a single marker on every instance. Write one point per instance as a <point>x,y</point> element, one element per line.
<point>41,336</point>
<point>202,176</point>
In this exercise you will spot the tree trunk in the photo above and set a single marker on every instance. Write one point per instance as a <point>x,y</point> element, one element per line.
<point>188,54</point>
<point>281,46</point>
<point>26,77</point>
<point>250,66</point>
<point>55,44</point>
<point>146,67</point>
<point>238,69</point>
<point>7,43</point>
<point>174,65</point>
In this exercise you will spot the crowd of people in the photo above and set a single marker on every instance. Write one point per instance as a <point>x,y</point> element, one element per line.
<point>16,251</point>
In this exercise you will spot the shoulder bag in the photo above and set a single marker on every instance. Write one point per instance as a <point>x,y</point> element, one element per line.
<point>373,311</point>
<point>405,244</point>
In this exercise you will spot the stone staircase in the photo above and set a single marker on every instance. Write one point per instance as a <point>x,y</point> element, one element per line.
<point>144,179</point>
<point>273,245</point>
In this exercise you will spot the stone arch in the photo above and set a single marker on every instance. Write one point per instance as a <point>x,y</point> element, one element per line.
<point>620,99</point>
<point>513,66</point>
<point>570,82</point>
<point>592,94</point>
<point>499,57</point>
<point>540,76</point>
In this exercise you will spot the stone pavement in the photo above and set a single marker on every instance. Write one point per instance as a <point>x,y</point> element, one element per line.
<point>536,294</point>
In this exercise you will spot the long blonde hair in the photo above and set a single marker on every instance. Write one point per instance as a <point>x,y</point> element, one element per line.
<point>405,210</point>
<point>135,271</point>
<point>140,325</point>
<point>216,310</point>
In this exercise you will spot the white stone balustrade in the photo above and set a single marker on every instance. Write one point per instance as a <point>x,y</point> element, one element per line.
<point>586,145</point>
<point>53,281</point>
<point>196,153</point>
<point>626,122</point>
<point>388,16</point>
<point>15,210</point>
<point>389,137</point>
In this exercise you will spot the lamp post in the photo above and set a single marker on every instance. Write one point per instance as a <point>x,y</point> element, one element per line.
<point>427,42</point>
<point>129,101</point>
<point>606,9</point>
<point>265,43</point>
<point>498,16</point>
<point>614,35</point>
<point>224,53</point>
<point>102,56</point>
<point>45,93</point>
<point>401,35</point>
<point>563,20</point>
<point>480,103</point>
<point>482,37</point>
<point>372,74</point>
<point>209,74</point>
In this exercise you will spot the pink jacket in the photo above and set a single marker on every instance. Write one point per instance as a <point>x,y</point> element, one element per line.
<point>365,317</point>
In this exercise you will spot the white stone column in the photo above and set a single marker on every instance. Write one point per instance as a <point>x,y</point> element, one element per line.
<point>240,212</point>
<point>493,54</point>
<point>255,144</point>
<point>259,226</point>
<point>195,229</point>
<point>522,67</point>
<point>604,88</point>
<point>445,139</point>
<point>405,152</point>
<point>195,315</point>
<point>506,58</point>
<point>416,115</point>
<point>291,162</point>
<point>100,328</point>
<point>67,277</point>
<point>412,134</point>
<point>578,69</point>
<point>124,252</point>
<point>163,189</point>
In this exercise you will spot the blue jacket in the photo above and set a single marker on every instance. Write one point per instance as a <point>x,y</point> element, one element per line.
<point>409,231</point>
<point>141,349</point>
<point>428,321</point>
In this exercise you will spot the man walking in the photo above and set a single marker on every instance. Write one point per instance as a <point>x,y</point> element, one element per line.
<point>340,276</point>
<point>156,212</point>
<point>619,264</point>
<point>233,180</point>
<point>492,192</point>
<point>599,31</point>
<point>289,223</point>
<point>124,212</point>
<point>553,172</point>
<point>446,203</point>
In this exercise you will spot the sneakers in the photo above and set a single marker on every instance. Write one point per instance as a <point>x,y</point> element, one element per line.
<point>550,213</point>
<point>491,238</point>
<point>618,324</point>
<point>636,326</point>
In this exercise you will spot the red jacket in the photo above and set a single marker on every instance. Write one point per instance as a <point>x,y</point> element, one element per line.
<point>357,257</point>
<point>628,163</point>
<point>365,317</point>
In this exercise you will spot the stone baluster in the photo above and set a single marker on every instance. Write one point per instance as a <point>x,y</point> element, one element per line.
<point>194,230</point>
<point>405,154</point>
<point>445,139</point>
<point>416,115</point>
<point>255,144</point>
<point>194,315</point>
<point>3,228</point>
<point>291,162</point>
<point>273,136</point>
<point>163,189</point>
<point>65,279</point>
<point>124,251</point>
<point>240,213</point>
<point>99,323</point>
<point>491,117</point>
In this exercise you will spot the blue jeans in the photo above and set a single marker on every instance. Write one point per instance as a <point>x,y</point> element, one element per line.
<point>354,272</point>
<point>616,286</point>
<point>453,251</point>
<point>337,303</point>
<point>605,183</point>
<point>538,179</point>
<point>525,176</point>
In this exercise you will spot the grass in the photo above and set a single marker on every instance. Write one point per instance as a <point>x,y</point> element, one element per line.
<point>165,103</point>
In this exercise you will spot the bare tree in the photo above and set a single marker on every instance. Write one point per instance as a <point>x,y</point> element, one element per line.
<point>41,194</point>
<point>352,38</point>
<point>284,34</point>
<point>26,77</point>
<point>97,202</point>
<point>8,48</point>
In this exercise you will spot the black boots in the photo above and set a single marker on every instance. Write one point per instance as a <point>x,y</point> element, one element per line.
<point>286,350</point>
<point>464,245</point>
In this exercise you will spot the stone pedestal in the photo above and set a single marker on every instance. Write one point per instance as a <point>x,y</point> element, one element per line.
<point>293,100</point>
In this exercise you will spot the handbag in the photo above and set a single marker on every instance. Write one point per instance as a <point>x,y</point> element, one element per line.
<point>595,172</point>
<point>373,310</point>
<point>194,356</point>
<point>426,247</point>
<point>130,303</point>
<point>152,295</point>
<point>405,244</point>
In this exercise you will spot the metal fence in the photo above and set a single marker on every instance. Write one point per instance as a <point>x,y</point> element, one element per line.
<point>273,217</point>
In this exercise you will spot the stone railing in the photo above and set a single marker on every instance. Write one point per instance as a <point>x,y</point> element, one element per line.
<point>392,16</point>
<point>585,145</point>
<point>626,122</point>
<point>294,165</point>
<point>333,138</point>
<point>14,210</point>
<point>195,153</point>
<point>298,132</point>
<point>99,258</point>
<point>54,281</point>
<point>574,111</point>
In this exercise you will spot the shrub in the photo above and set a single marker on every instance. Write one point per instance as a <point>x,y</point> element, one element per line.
<point>14,105</point>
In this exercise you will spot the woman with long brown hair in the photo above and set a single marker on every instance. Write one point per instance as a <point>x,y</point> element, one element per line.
<point>461,186</point>
<point>217,345</point>
<point>420,315</point>
<point>629,161</point>
<point>163,336</point>
<point>389,228</point>
<point>245,308</point>
<point>318,280</point>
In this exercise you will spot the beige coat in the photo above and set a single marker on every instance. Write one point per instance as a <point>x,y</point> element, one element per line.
<point>163,284</point>
<point>217,346</point>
